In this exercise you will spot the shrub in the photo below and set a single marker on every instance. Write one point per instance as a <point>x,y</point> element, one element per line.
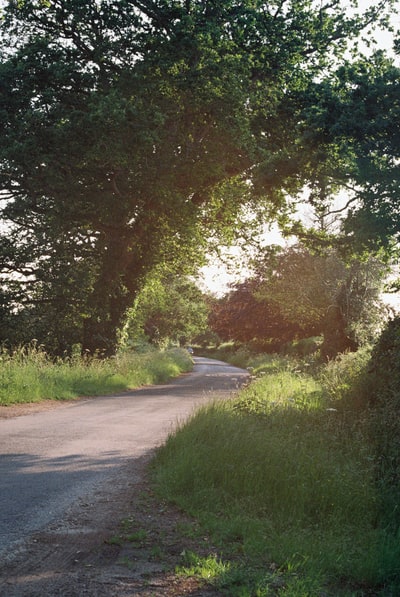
<point>384,369</point>
<point>383,388</point>
<point>343,378</point>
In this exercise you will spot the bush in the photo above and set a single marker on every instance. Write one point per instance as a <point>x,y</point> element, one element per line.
<point>304,347</point>
<point>343,378</point>
<point>384,369</point>
<point>383,388</point>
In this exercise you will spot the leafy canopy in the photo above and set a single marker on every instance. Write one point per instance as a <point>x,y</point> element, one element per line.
<point>122,121</point>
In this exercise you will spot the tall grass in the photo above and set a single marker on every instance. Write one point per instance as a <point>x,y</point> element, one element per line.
<point>283,479</point>
<point>29,375</point>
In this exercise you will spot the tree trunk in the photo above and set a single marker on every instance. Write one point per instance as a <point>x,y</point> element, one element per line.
<point>336,339</point>
<point>113,293</point>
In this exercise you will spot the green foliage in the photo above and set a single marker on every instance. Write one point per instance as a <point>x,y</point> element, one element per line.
<point>169,309</point>
<point>280,388</point>
<point>30,375</point>
<point>382,389</point>
<point>134,131</point>
<point>295,293</point>
<point>286,483</point>
<point>374,84</point>
<point>343,378</point>
<point>349,132</point>
<point>384,366</point>
<point>242,316</point>
<point>327,295</point>
<point>205,568</point>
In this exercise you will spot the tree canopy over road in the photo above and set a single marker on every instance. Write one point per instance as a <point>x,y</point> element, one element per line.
<point>135,130</point>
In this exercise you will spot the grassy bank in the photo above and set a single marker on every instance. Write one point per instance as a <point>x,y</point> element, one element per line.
<point>284,480</point>
<point>28,375</point>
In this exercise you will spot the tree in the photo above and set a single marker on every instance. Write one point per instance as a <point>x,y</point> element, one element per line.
<point>374,220</point>
<point>349,136</point>
<point>168,309</point>
<point>120,120</point>
<point>340,300</point>
<point>243,316</point>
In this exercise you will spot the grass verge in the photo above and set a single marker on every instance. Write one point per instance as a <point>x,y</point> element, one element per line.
<point>285,483</point>
<point>28,375</point>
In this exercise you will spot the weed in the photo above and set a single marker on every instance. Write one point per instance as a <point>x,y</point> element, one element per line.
<point>139,537</point>
<point>205,567</point>
<point>115,540</point>
<point>125,561</point>
<point>188,529</point>
<point>156,553</point>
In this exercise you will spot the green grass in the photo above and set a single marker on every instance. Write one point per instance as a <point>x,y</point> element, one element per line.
<point>285,482</point>
<point>28,375</point>
<point>206,568</point>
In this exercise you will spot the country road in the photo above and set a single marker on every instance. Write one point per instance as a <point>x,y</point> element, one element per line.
<point>55,461</point>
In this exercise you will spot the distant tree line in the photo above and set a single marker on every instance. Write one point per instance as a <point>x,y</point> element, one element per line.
<point>294,294</point>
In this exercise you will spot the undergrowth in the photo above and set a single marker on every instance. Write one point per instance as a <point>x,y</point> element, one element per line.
<point>284,478</point>
<point>29,375</point>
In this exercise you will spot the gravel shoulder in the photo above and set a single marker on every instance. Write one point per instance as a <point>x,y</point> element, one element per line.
<point>87,553</point>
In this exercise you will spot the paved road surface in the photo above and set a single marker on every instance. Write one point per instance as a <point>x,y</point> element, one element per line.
<point>52,459</point>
